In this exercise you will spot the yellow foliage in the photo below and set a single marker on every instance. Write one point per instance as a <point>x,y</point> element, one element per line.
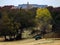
<point>43,14</point>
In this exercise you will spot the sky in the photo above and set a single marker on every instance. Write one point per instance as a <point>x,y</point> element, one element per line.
<point>55,3</point>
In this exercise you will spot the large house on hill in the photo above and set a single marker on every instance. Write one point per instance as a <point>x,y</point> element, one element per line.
<point>29,6</point>
<point>25,6</point>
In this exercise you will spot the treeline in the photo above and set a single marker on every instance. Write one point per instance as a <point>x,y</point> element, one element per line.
<point>55,13</point>
<point>14,21</point>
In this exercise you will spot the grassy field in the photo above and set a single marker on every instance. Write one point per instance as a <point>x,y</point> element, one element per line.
<point>32,42</point>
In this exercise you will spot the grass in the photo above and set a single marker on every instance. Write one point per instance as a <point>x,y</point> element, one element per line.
<point>33,42</point>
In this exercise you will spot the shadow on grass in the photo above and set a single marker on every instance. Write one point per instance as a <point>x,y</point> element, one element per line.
<point>11,40</point>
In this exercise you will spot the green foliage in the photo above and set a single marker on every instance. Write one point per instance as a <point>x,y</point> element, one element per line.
<point>15,20</point>
<point>26,18</point>
<point>9,26</point>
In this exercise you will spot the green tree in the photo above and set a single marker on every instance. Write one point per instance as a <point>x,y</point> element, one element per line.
<point>26,19</point>
<point>9,26</point>
<point>15,20</point>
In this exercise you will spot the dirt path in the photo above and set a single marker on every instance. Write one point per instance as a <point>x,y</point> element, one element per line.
<point>33,42</point>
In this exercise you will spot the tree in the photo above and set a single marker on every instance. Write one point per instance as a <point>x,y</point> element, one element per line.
<point>43,18</point>
<point>55,13</point>
<point>5,20</point>
<point>26,19</point>
<point>9,26</point>
<point>15,20</point>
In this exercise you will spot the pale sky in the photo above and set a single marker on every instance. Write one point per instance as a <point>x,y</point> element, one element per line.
<point>55,3</point>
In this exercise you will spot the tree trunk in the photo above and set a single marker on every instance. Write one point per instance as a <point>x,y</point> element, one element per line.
<point>9,37</point>
<point>14,37</point>
<point>19,35</point>
<point>5,37</point>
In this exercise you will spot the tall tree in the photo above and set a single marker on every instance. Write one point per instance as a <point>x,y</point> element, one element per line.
<point>43,18</point>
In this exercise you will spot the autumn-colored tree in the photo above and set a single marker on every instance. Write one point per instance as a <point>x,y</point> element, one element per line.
<point>43,18</point>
